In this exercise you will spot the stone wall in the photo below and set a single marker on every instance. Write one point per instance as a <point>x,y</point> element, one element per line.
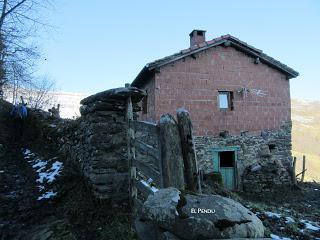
<point>96,142</point>
<point>263,161</point>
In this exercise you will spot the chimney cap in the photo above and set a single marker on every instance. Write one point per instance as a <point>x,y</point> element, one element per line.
<point>197,30</point>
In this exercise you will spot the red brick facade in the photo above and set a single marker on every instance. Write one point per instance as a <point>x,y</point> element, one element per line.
<point>193,83</point>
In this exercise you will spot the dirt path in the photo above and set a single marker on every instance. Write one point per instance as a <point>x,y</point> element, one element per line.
<point>72,214</point>
<point>17,191</point>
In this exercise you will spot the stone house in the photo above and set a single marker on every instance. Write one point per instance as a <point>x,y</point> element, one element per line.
<point>239,101</point>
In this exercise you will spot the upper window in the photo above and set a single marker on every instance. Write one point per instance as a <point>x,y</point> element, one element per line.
<point>225,100</point>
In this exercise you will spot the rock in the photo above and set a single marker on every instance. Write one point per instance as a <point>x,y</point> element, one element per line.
<point>264,151</point>
<point>115,94</point>
<point>146,230</point>
<point>162,207</point>
<point>200,216</point>
<point>2,150</point>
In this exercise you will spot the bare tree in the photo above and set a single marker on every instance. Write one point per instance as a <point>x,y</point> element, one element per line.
<point>19,22</point>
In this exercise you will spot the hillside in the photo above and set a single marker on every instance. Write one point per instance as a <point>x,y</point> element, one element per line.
<point>306,136</point>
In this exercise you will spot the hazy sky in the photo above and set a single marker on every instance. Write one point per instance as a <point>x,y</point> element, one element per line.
<point>99,44</point>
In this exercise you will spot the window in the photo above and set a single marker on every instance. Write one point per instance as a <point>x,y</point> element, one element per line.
<point>225,100</point>
<point>145,105</point>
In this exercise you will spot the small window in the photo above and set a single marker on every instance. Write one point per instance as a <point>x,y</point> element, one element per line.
<point>145,105</point>
<point>226,100</point>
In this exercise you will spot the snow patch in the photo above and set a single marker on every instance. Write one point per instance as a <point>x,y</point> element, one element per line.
<point>273,215</point>
<point>275,237</point>
<point>289,220</point>
<point>310,225</point>
<point>47,195</point>
<point>47,172</point>
<point>50,174</point>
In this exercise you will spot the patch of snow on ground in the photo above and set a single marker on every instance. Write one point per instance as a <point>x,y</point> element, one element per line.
<point>310,225</point>
<point>275,237</point>
<point>47,195</point>
<point>50,174</point>
<point>273,215</point>
<point>289,220</point>
<point>46,175</point>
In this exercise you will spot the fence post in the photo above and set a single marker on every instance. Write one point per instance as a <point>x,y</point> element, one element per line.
<point>171,153</point>
<point>303,167</point>
<point>294,178</point>
<point>188,151</point>
<point>131,151</point>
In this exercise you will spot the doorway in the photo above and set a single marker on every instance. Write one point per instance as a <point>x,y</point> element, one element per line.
<point>224,161</point>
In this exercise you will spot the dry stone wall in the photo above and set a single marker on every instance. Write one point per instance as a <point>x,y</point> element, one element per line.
<point>263,161</point>
<point>97,143</point>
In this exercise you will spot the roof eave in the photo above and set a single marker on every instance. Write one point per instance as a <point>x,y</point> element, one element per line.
<point>290,73</point>
<point>140,79</point>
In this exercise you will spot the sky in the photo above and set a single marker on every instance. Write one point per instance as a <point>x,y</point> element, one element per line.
<point>96,45</point>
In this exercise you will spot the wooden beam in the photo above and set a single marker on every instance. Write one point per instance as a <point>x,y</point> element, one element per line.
<point>303,167</point>
<point>188,151</point>
<point>146,149</point>
<point>148,171</point>
<point>294,178</point>
<point>145,127</point>
<point>130,150</point>
<point>145,190</point>
<point>171,152</point>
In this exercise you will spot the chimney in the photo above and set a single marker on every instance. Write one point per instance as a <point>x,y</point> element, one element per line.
<point>197,37</point>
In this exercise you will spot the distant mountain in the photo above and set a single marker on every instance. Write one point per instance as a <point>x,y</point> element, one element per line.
<point>70,103</point>
<point>306,136</point>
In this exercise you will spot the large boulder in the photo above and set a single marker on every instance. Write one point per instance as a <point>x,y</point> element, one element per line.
<point>190,216</point>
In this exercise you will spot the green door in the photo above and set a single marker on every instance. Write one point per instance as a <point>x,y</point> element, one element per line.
<point>224,161</point>
<point>228,177</point>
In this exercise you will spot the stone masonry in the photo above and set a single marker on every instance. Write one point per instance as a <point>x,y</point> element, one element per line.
<point>263,161</point>
<point>96,142</point>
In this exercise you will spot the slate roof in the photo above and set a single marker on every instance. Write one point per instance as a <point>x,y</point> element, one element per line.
<point>226,40</point>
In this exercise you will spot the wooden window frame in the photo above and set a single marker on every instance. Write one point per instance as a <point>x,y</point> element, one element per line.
<point>230,99</point>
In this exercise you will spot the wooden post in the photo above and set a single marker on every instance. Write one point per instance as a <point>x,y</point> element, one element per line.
<point>303,167</point>
<point>188,151</point>
<point>171,153</point>
<point>294,178</point>
<point>131,151</point>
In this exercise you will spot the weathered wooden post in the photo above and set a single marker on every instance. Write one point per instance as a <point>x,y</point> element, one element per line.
<point>294,178</point>
<point>131,151</point>
<point>171,153</point>
<point>188,151</point>
<point>303,167</point>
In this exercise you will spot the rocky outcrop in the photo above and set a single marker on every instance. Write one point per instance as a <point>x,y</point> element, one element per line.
<point>170,214</point>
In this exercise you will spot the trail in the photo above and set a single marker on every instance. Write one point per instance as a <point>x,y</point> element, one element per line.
<point>17,194</point>
<point>70,215</point>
